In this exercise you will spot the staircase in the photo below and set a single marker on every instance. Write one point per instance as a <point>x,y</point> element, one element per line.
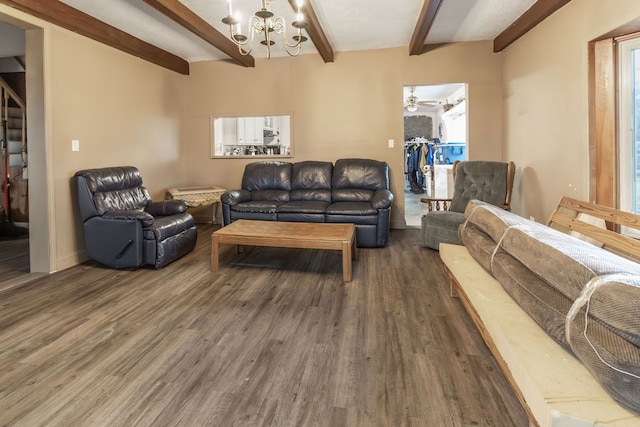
<point>14,204</point>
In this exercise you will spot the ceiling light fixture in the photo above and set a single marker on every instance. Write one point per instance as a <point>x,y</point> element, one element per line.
<point>412,100</point>
<point>264,22</point>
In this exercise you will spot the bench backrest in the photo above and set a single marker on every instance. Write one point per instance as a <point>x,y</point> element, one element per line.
<point>580,219</point>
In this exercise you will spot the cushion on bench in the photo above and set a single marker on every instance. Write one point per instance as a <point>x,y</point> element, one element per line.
<point>560,281</point>
<point>608,345</point>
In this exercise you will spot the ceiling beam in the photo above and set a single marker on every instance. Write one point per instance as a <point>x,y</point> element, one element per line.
<point>315,31</point>
<point>198,26</point>
<point>538,12</point>
<point>72,19</point>
<point>425,21</point>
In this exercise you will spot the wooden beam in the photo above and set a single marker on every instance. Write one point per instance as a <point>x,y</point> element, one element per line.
<point>315,31</point>
<point>537,13</point>
<point>425,21</point>
<point>198,26</point>
<point>65,16</point>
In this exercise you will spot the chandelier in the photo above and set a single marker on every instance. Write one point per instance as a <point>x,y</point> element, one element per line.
<point>264,23</point>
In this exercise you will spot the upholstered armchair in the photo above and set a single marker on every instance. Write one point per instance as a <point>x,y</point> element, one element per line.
<point>490,182</point>
<point>123,227</point>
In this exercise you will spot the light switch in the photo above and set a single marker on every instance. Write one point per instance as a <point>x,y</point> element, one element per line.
<point>392,143</point>
<point>75,145</point>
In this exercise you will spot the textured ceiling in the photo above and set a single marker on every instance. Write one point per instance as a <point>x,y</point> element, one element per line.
<point>348,25</point>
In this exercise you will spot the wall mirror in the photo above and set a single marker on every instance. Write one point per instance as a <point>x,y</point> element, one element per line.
<point>251,136</point>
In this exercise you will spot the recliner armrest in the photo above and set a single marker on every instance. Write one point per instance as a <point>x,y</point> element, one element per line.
<point>233,197</point>
<point>144,217</point>
<point>382,199</point>
<point>167,207</point>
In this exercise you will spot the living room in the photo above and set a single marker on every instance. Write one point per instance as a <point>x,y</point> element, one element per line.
<point>168,114</point>
<point>528,104</point>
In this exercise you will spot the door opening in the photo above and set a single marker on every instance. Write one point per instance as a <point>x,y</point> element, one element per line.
<point>435,136</point>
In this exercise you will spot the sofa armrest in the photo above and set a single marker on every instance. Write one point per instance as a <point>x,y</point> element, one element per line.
<point>166,207</point>
<point>144,217</point>
<point>233,197</point>
<point>382,199</point>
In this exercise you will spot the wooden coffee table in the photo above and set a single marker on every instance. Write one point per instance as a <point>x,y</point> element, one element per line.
<point>303,235</point>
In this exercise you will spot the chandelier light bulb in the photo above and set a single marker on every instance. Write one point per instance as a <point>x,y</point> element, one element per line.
<point>237,18</point>
<point>265,26</point>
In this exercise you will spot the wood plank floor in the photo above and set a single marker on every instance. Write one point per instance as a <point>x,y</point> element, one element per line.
<point>274,338</point>
<point>14,252</point>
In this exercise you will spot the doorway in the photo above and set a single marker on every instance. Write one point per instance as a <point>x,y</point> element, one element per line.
<point>14,214</point>
<point>435,136</point>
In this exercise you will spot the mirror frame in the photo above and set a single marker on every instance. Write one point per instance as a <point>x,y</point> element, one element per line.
<point>213,140</point>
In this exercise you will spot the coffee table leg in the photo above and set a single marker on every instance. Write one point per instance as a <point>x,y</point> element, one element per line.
<point>214,253</point>
<point>347,254</point>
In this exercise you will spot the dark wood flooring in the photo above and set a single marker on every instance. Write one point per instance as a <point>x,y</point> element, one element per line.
<point>14,252</point>
<point>275,338</point>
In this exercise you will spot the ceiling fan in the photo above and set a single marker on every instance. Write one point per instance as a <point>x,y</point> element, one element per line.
<point>412,102</point>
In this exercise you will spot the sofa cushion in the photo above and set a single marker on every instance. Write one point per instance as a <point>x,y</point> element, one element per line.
<point>257,206</point>
<point>352,195</point>
<point>270,195</point>
<point>546,305</point>
<point>311,181</point>
<point>563,261</point>
<point>491,219</point>
<point>360,174</point>
<point>319,195</point>
<point>484,227</point>
<point>351,208</point>
<point>353,219</point>
<point>300,217</point>
<point>479,244</point>
<point>304,206</point>
<point>267,176</point>
<point>608,344</point>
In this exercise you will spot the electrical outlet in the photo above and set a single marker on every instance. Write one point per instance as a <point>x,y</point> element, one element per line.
<point>392,143</point>
<point>75,145</point>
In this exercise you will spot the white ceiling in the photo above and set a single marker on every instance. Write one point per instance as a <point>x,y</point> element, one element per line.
<point>348,24</point>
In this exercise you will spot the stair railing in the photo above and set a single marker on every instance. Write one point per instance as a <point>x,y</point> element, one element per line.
<point>6,94</point>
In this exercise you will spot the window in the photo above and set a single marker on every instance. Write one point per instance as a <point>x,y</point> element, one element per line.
<point>629,124</point>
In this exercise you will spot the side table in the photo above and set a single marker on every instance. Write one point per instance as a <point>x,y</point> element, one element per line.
<point>198,196</point>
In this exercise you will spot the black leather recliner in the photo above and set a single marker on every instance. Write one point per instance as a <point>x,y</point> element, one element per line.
<point>351,191</point>
<point>123,227</point>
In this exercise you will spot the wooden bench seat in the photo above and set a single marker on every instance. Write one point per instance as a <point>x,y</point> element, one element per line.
<point>554,387</point>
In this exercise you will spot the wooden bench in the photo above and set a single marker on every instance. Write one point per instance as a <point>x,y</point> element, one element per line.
<point>553,386</point>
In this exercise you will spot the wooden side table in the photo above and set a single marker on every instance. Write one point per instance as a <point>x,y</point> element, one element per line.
<point>198,196</point>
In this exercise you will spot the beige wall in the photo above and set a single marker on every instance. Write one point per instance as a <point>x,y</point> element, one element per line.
<point>546,123</point>
<point>123,110</point>
<point>349,108</point>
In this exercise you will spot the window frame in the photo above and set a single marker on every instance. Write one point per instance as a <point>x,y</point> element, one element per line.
<point>626,123</point>
<point>604,144</point>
